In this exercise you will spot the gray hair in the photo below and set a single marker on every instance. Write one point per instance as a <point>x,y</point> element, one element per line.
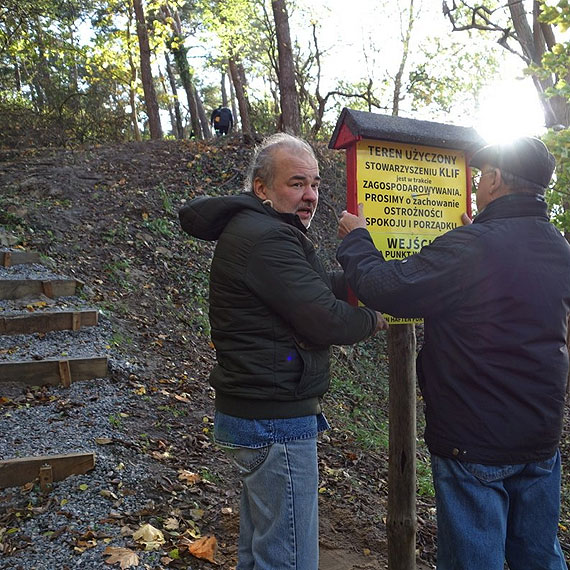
<point>263,164</point>
<point>520,185</point>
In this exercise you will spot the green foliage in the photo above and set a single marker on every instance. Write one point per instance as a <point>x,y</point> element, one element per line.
<point>166,200</point>
<point>447,70</point>
<point>556,63</point>
<point>115,421</point>
<point>161,226</point>
<point>558,195</point>
<point>358,398</point>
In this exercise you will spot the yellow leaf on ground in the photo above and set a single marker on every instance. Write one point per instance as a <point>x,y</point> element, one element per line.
<point>123,556</point>
<point>204,548</point>
<point>151,537</point>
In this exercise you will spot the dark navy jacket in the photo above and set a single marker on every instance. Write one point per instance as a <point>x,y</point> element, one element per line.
<point>495,296</point>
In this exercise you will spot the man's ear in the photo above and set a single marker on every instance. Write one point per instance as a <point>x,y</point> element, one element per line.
<point>260,189</point>
<point>496,182</point>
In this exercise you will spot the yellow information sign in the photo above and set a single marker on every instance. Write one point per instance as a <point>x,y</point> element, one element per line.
<point>411,194</point>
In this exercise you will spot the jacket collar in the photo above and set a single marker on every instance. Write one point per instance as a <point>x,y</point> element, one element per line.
<point>291,219</point>
<point>514,206</point>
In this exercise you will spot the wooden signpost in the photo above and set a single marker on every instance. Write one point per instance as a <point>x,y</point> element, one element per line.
<point>413,179</point>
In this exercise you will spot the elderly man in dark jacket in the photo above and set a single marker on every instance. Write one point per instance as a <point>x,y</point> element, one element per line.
<point>274,312</point>
<point>495,296</point>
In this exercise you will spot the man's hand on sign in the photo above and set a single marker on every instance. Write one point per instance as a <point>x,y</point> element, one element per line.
<point>465,219</point>
<point>349,222</point>
<point>381,323</point>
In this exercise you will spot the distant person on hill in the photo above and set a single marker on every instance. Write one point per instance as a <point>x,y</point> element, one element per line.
<point>495,296</point>
<point>222,120</point>
<point>274,313</point>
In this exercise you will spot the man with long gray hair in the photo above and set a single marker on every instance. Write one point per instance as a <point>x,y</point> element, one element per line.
<point>274,313</point>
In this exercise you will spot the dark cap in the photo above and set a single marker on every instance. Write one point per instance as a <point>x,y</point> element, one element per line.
<point>526,158</point>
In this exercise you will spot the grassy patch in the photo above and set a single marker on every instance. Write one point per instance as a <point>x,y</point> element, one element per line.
<point>358,398</point>
<point>358,402</point>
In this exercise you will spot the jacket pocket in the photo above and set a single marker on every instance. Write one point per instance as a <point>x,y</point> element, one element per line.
<point>314,379</point>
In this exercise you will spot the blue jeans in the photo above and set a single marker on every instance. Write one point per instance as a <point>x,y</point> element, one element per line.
<point>279,522</point>
<point>487,514</point>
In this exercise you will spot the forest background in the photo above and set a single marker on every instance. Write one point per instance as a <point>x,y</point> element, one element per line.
<point>83,74</point>
<point>77,71</point>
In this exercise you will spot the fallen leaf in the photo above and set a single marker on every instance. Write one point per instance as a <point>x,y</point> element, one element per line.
<point>123,556</point>
<point>171,524</point>
<point>204,548</point>
<point>184,399</point>
<point>188,477</point>
<point>151,537</point>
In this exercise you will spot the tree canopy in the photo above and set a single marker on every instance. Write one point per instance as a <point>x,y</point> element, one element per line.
<point>73,71</point>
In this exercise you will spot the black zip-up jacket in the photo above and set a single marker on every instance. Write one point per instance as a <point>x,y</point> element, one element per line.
<point>273,312</point>
<point>495,296</point>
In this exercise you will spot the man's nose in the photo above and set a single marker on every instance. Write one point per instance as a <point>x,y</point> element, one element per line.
<point>311,194</point>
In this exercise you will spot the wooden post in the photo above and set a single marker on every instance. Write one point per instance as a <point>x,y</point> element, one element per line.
<point>46,478</point>
<point>65,373</point>
<point>47,287</point>
<point>401,522</point>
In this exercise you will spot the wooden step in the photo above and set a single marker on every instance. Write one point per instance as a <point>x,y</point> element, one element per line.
<point>17,472</point>
<point>48,321</point>
<point>9,258</point>
<point>53,371</point>
<point>18,288</point>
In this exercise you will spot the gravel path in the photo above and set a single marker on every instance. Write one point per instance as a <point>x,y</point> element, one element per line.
<point>70,526</point>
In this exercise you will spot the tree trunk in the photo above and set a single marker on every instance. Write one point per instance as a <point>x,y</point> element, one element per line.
<point>177,126</point>
<point>533,42</point>
<point>241,96</point>
<point>223,89</point>
<point>150,98</point>
<point>184,72</point>
<point>132,85</point>
<point>401,522</point>
<point>289,97</point>
<point>17,76</point>
<point>180,54</point>
<point>42,79</point>
<point>169,105</point>
<point>204,121</point>
<point>397,95</point>
<point>233,99</point>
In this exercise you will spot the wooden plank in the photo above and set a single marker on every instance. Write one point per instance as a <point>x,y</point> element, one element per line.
<point>8,258</point>
<point>18,288</point>
<point>48,321</point>
<point>40,372</point>
<point>16,472</point>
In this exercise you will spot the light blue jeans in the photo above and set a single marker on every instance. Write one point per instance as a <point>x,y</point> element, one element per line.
<point>487,514</point>
<point>279,522</point>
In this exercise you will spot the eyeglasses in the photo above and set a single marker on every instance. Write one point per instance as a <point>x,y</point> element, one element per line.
<point>477,177</point>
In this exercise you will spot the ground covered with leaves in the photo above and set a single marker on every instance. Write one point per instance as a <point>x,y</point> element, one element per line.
<point>108,216</point>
